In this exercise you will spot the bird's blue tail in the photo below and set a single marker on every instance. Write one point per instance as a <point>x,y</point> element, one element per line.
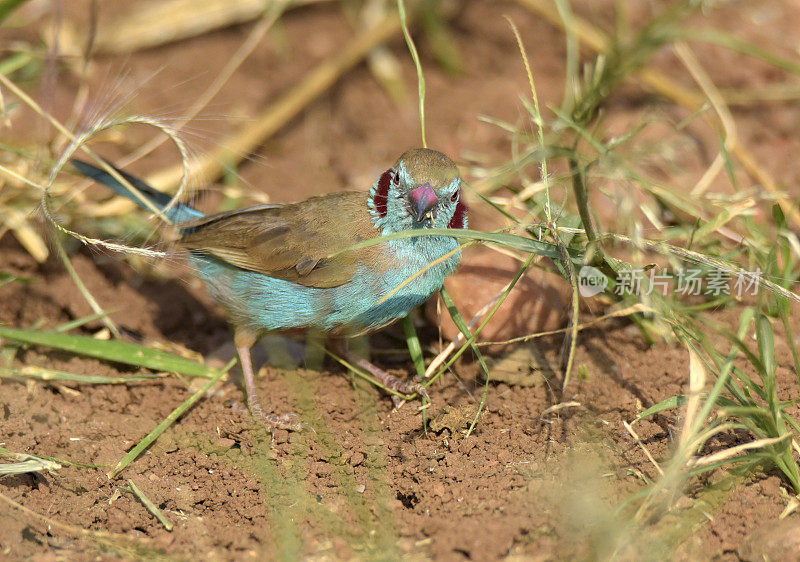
<point>178,213</point>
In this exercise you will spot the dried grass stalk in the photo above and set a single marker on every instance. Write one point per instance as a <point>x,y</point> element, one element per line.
<point>233,149</point>
<point>666,86</point>
<point>159,22</point>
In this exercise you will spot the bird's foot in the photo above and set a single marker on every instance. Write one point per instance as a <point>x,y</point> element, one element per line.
<point>392,383</point>
<point>406,388</point>
<point>291,422</point>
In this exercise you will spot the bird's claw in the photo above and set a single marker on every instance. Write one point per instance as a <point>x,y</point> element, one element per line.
<point>409,388</point>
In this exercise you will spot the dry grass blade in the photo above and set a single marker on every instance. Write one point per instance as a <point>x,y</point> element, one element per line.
<point>25,463</point>
<point>160,22</point>
<point>732,452</point>
<point>666,86</point>
<point>103,536</point>
<point>460,339</point>
<point>718,103</point>
<point>120,206</point>
<point>78,143</point>
<point>245,49</point>
<point>570,341</point>
<point>383,63</point>
<point>647,453</point>
<point>690,256</point>
<point>422,271</point>
<point>28,372</point>
<point>560,406</point>
<point>638,308</point>
<point>288,106</point>
<point>84,290</point>
<point>697,380</point>
<point>787,92</point>
<point>25,233</point>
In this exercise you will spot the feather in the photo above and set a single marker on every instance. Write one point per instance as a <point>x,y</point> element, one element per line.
<point>292,241</point>
<point>382,192</point>
<point>459,219</point>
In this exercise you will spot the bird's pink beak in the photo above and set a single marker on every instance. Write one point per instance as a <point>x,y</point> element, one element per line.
<point>423,201</point>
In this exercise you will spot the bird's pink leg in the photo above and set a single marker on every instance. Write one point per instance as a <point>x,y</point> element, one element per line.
<point>339,347</point>
<point>244,340</point>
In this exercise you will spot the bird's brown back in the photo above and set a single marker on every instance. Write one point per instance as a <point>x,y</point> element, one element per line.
<point>296,241</point>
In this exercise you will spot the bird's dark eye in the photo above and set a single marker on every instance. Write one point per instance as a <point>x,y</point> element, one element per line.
<point>454,196</point>
<point>396,178</point>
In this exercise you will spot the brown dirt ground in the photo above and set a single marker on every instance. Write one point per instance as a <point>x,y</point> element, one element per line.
<point>369,483</point>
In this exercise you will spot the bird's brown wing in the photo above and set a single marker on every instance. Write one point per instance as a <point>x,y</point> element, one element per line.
<point>297,242</point>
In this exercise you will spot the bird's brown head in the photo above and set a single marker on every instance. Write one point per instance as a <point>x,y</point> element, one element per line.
<point>421,190</point>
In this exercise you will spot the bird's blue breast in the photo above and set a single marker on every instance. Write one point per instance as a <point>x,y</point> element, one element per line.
<point>373,297</point>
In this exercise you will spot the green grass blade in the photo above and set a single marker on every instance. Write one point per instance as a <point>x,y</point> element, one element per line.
<point>784,314</point>
<point>6,278</point>
<point>14,62</point>
<point>109,350</point>
<point>512,241</point>
<point>724,39</point>
<point>414,347</point>
<point>162,427</point>
<point>766,351</point>
<point>750,387</point>
<point>401,8</point>
<point>415,350</point>
<point>151,507</point>
<point>8,7</point>
<point>440,39</point>
<point>78,322</point>
<point>746,411</point>
<point>668,404</point>
<point>462,325</point>
<point>498,208</point>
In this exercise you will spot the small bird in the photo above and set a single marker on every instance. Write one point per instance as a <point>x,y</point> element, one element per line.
<point>291,267</point>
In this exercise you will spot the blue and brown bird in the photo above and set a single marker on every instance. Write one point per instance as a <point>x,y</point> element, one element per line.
<point>292,267</point>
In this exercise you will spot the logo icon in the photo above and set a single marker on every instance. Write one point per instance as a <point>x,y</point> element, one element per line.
<point>591,282</point>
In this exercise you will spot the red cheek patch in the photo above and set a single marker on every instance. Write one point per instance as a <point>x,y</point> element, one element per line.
<point>382,193</point>
<point>459,219</point>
